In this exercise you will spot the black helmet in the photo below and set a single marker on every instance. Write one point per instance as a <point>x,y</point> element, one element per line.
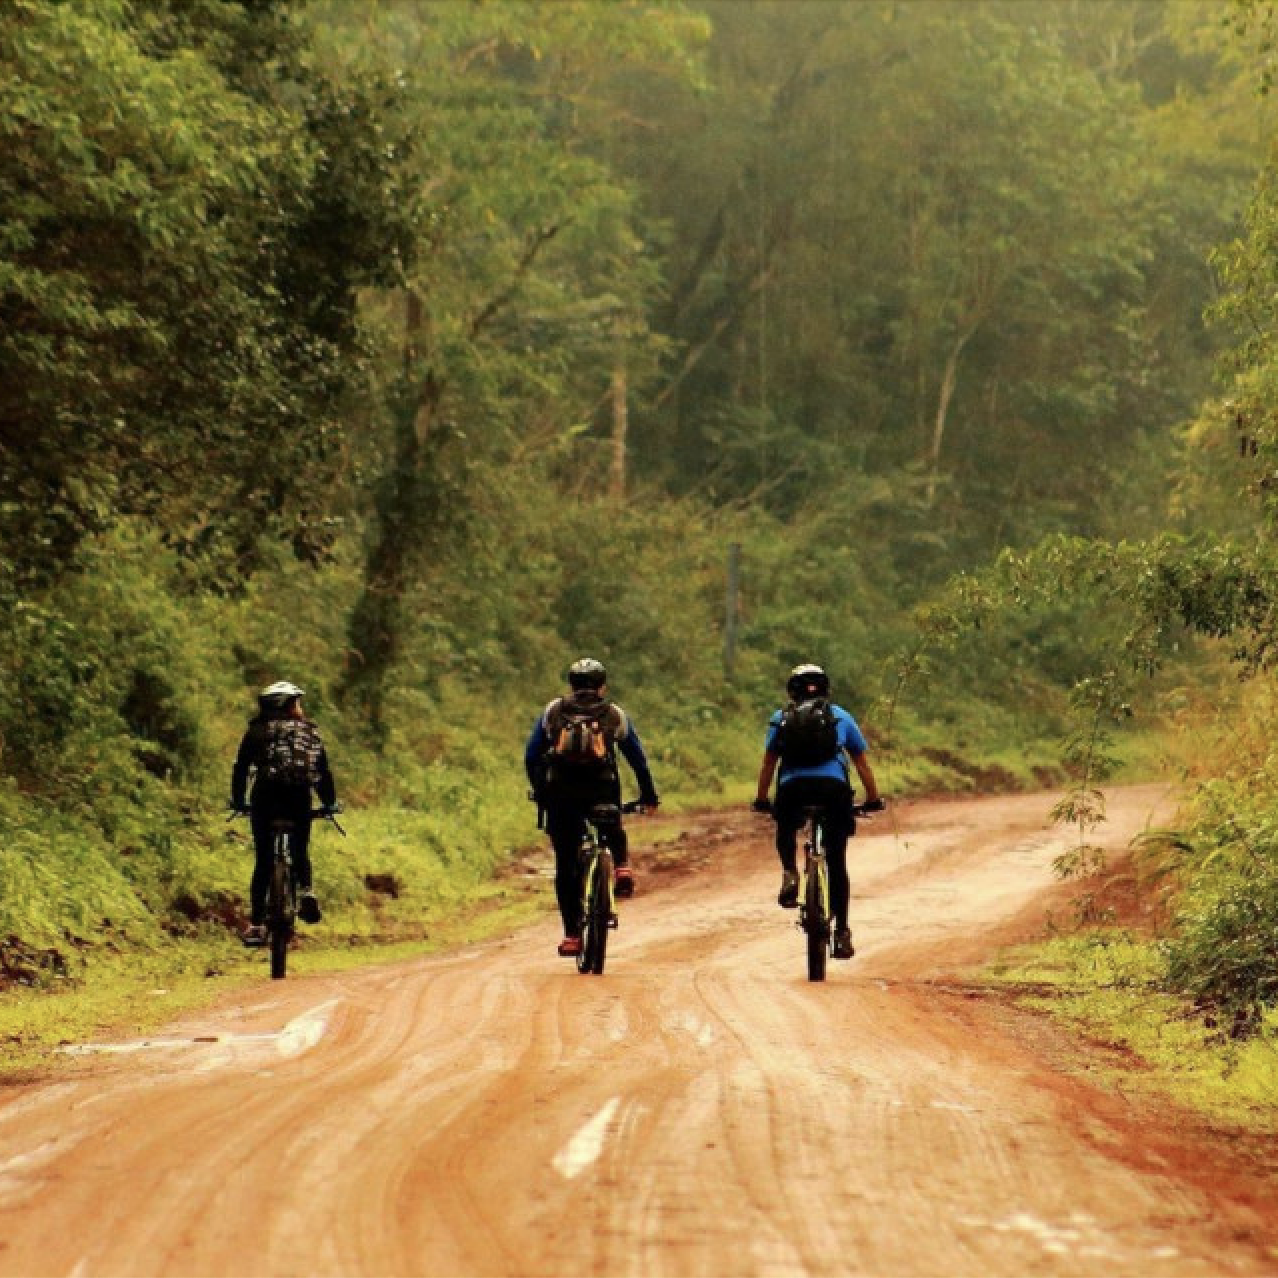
<point>807,681</point>
<point>279,696</point>
<point>587,673</point>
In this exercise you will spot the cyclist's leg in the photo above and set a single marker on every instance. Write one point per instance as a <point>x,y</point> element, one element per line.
<point>302,847</point>
<point>264,855</point>
<point>565,824</point>
<point>614,837</point>
<point>788,811</point>
<point>612,834</point>
<point>836,827</point>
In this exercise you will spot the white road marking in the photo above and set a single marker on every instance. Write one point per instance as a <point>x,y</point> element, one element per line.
<point>586,1146</point>
<point>305,1031</point>
<point>956,1106</point>
<point>299,1035</point>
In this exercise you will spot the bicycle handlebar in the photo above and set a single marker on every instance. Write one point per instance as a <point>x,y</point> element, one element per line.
<point>325,814</point>
<point>858,809</point>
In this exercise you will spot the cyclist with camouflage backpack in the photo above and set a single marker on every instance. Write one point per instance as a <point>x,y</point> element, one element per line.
<point>283,751</point>
<point>571,761</point>
<point>810,738</point>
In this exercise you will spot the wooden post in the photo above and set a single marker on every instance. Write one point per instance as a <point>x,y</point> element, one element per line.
<point>731,607</point>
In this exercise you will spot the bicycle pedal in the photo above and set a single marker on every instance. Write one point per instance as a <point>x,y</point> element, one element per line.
<point>613,921</point>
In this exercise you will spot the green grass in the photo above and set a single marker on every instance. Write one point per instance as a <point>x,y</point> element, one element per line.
<point>1106,987</point>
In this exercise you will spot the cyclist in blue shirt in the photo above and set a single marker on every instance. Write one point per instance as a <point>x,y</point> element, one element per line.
<point>816,780</point>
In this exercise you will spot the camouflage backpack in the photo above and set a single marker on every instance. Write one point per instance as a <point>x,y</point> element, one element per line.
<point>290,753</point>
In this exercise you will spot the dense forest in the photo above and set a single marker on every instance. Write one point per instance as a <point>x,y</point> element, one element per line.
<point>411,350</point>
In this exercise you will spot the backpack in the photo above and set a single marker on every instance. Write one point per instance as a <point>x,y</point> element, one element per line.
<point>579,742</point>
<point>808,733</point>
<point>290,753</point>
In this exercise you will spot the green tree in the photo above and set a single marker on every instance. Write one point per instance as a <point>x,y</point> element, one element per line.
<point>177,332</point>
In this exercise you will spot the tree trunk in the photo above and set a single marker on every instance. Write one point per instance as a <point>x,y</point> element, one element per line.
<point>620,429</point>
<point>949,380</point>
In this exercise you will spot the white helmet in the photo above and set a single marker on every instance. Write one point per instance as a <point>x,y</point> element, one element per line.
<point>279,695</point>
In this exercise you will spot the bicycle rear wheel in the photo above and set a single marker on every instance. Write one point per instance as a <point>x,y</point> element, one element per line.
<point>279,915</point>
<point>816,921</point>
<point>597,916</point>
<point>589,876</point>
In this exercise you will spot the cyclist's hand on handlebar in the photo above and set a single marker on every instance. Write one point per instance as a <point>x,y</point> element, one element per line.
<point>762,805</point>
<point>238,809</point>
<point>649,802</point>
<point>871,806</point>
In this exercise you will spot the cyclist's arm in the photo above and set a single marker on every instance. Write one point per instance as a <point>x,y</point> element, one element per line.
<point>632,750</point>
<point>326,787</point>
<point>767,769</point>
<point>240,772</point>
<point>866,773</point>
<point>534,749</point>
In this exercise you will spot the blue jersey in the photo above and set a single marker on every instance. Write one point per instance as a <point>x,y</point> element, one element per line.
<point>851,743</point>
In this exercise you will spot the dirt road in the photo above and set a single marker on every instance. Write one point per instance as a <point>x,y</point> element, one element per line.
<point>699,1109</point>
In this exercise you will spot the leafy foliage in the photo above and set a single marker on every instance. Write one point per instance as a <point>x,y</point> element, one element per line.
<point>177,326</point>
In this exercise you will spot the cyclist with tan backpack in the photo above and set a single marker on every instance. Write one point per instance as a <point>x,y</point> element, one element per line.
<point>571,761</point>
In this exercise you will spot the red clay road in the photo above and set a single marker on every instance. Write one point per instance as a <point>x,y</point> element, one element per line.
<point>701,1108</point>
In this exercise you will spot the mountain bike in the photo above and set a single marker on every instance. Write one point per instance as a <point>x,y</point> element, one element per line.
<point>598,906</point>
<point>814,893</point>
<point>281,892</point>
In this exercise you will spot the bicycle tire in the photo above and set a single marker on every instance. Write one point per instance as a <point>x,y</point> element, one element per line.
<point>816,923</point>
<point>586,955</point>
<point>602,909</point>
<point>279,914</point>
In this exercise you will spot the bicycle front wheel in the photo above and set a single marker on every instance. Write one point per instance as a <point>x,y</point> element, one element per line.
<point>816,921</point>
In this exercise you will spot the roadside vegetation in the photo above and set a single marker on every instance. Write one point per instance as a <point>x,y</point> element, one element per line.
<point>410,351</point>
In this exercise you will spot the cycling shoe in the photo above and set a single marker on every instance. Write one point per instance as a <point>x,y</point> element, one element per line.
<point>788,897</point>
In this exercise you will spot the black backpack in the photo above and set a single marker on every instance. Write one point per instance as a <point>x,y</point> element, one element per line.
<point>808,733</point>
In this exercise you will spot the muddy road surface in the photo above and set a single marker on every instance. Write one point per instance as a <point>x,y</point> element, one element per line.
<point>701,1108</point>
